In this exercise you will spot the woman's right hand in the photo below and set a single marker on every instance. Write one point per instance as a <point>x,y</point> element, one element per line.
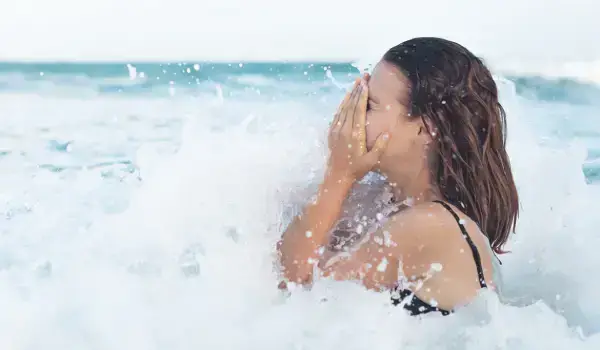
<point>349,160</point>
<point>301,243</point>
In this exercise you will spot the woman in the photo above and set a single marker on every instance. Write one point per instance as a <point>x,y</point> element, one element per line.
<point>429,121</point>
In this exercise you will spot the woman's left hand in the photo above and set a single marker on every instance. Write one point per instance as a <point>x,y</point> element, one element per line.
<point>348,158</point>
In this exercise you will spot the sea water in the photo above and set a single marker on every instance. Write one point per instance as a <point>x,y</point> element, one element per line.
<point>140,204</point>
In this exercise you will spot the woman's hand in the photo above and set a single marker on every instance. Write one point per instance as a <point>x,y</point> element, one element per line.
<point>349,160</point>
<point>300,248</point>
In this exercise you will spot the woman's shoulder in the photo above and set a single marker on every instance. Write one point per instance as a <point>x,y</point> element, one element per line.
<point>426,226</point>
<point>427,216</point>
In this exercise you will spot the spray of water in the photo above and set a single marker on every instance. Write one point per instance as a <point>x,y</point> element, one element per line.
<point>184,259</point>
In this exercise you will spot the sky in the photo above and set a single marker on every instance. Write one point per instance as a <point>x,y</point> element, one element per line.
<point>534,33</point>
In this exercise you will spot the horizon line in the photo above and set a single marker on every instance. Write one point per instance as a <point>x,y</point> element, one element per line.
<point>184,61</point>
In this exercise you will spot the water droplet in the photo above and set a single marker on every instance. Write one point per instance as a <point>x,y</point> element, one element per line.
<point>382,265</point>
<point>132,71</point>
<point>233,234</point>
<point>44,270</point>
<point>437,267</point>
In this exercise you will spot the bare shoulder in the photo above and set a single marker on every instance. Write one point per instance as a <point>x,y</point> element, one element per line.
<point>422,219</point>
<point>422,226</point>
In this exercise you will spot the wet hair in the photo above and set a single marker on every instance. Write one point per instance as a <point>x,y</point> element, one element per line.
<point>455,95</point>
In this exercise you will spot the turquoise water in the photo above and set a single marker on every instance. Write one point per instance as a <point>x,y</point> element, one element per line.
<point>571,107</point>
<point>139,203</point>
<point>264,82</point>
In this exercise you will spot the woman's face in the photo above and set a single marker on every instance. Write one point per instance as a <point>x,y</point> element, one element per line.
<point>388,111</point>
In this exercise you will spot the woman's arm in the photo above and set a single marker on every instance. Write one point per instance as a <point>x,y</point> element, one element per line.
<point>374,261</point>
<point>348,161</point>
<point>302,242</point>
<point>405,242</point>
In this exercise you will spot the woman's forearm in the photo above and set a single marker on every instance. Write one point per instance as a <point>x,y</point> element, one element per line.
<point>300,245</point>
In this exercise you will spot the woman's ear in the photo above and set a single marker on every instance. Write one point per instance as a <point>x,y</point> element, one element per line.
<point>426,130</point>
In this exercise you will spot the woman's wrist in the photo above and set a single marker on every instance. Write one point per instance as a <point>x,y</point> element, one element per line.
<point>336,183</point>
<point>326,208</point>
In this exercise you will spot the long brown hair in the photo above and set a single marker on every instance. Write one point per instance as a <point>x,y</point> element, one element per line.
<point>454,92</point>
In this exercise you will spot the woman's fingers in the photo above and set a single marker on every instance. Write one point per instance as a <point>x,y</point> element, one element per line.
<point>356,127</point>
<point>336,118</point>
<point>346,114</point>
<point>352,108</point>
<point>341,112</point>
<point>360,116</point>
<point>372,158</point>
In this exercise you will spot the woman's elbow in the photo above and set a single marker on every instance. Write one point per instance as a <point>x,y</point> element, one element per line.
<point>295,271</point>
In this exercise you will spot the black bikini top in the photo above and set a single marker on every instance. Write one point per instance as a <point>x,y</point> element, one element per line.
<point>416,306</point>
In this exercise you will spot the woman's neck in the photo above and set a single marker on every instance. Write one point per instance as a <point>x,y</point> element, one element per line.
<point>413,190</point>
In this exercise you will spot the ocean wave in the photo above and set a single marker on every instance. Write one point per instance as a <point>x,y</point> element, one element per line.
<point>172,78</point>
<point>557,89</point>
<point>263,82</point>
<point>164,79</point>
<point>139,240</point>
<point>579,71</point>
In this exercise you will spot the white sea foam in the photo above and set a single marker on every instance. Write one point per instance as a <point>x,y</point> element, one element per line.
<point>181,259</point>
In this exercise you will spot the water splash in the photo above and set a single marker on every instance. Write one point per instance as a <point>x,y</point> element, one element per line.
<point>179,254</point>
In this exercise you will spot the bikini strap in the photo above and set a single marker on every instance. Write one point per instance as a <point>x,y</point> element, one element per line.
<point>474,250</point>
